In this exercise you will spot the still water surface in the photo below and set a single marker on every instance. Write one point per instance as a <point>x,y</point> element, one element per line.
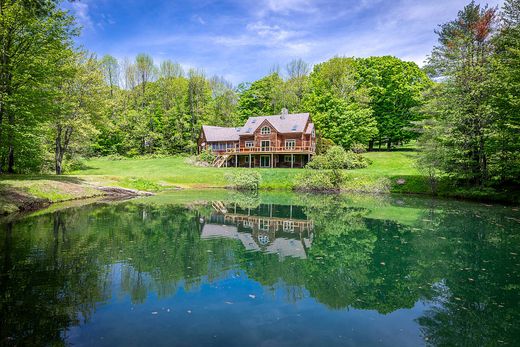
<point>227,269</point>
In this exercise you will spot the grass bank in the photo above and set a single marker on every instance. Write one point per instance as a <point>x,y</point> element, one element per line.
<point>20,192</point>
<point>163,173</point>
<point>390,172</point>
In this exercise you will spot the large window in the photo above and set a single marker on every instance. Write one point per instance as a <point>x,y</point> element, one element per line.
<point>265,131</point>
<point>290,144</point>
<point>249,144</point>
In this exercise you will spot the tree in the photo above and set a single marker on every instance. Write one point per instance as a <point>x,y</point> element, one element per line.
<point>261,98</point>
<point>169,69</point>
<point>504,86</point>
<point>33,35</point>
<point>197,99</point>
<point>144,70</point>
<point>463,59</point>
<point>395,88</point>
<point>110,68</point>
<point>338,103</point>
<point>79,102</point>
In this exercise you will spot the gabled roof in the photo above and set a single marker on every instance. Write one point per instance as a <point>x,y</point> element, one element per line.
<point>310,128</point>
<point>220,133</point>
<point>289,123</point>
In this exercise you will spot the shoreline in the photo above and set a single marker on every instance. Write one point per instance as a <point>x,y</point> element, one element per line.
<point>23,198</point>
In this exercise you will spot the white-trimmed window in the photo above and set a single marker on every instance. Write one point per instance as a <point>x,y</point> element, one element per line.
<point>249,144</point>
<point>265,131</point>
<point>287,158</point>
<point>247,160</point>
<point>263,224</point>
<point>290,144</point>
<point>288,225</point>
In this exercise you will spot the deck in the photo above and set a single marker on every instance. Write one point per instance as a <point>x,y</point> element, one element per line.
<point>270,150</point>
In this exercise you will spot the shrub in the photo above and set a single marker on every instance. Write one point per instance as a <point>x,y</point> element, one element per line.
<point>244,180</point>
<point>358,148</point>
<point>320,181</point>
<point>74,164</point>
<point>337,158</point>
<point>323,145</point>
<point>206,156</point>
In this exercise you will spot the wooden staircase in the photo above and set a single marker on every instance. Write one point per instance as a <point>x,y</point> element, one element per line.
<point>220,160</point>
<point>219,206</point>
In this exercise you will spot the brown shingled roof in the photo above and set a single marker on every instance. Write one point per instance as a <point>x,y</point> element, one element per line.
<point>289,123</point>
<point>214,134</point>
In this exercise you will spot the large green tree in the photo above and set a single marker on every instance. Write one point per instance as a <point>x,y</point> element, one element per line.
<point>339,103</point>
<point>475,106</point>
<point>395,88</point>
<point>33,37</point>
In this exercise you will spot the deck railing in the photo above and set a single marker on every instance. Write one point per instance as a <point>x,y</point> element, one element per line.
<point>268,149</point>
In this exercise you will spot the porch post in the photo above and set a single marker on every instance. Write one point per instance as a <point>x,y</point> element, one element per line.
<point>249,160</point>
<point>236,160</point>
<point>292,160</point>
<point>272,160</point>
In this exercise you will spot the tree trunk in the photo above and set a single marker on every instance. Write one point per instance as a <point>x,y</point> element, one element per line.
<point>389,144</point>
<point>58,157</point>
<point>371,145</point>
<point>10,141</point>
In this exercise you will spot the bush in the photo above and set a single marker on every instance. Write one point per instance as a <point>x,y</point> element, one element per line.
<point>74,164</point>
<point>206,156</point>
<point>244,180</point>
<point>337,158</point>
<point>320,181</point>
<point>358,148</point>
<point>323,145</point>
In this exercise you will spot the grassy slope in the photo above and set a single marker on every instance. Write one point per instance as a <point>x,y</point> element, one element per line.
<point>18,192</point>
<point>156,174</point>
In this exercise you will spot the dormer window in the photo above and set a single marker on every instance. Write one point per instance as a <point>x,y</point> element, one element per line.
<point>265,131</point>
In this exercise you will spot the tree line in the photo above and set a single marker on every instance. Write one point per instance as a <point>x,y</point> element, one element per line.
<point>58,102</point>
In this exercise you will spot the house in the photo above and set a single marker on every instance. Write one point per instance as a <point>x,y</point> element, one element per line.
<point>278,229</point>
<point>285,140</point>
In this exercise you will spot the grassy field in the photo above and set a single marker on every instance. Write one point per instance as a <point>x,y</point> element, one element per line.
<point>390,172</point>
<point>163,173</point>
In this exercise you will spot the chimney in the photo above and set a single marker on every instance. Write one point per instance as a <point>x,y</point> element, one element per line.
<point>285,112</point>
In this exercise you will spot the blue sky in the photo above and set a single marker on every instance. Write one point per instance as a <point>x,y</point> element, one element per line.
<point>242,40</point>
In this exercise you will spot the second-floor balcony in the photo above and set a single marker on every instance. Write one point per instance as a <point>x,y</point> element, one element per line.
<point>305,149</point>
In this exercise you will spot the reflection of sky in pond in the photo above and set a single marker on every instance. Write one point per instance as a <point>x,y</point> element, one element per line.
<point>224,313</point>
<point>281,270</point>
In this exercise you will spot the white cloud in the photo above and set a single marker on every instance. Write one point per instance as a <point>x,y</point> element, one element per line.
<point>198,19</point>
<point>81,11</point>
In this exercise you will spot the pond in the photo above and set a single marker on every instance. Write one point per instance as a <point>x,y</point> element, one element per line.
<point>218,268</point>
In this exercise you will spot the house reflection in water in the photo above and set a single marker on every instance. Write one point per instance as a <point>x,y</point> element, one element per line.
<point>281,229</point>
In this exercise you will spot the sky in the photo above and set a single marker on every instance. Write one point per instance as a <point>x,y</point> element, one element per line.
<point>242,40</point>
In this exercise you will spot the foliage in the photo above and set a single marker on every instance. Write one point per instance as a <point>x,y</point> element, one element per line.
<point>337,158</point>
<point>244,179</point>
<point>323,145</point>
<point>395,88</point>
<point>319,180</point>
<point>473,136</point>
<point>338,106</point>
<point>35,37</point>
<point>206,156</point>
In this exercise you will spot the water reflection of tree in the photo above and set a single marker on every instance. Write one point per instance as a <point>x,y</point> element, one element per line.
<point>44,288</point>
<point>360,262</point>
<point>479,302</point>
<point>354,261</point>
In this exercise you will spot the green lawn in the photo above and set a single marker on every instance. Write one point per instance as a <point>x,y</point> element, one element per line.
<point>162,173</point>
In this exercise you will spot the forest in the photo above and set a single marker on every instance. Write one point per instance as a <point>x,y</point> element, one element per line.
<point>60,103</point>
